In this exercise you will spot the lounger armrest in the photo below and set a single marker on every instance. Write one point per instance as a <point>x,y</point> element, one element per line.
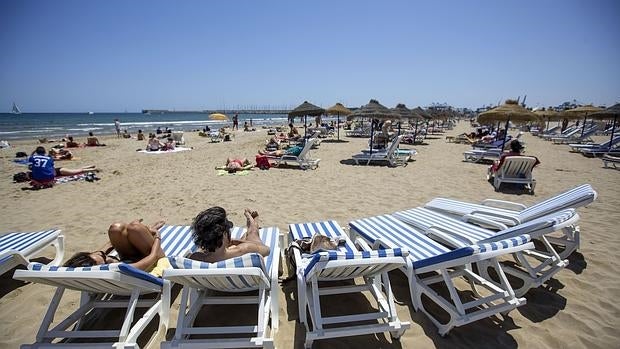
<point>472,217</point>
<point>448,238</point>
<point>504,204</point>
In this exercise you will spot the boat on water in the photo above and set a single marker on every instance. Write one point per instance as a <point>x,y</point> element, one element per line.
<point>15,109</point>
<point>91,113</point>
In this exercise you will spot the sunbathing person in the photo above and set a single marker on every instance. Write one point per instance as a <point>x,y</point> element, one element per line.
<point>154,144</point>
<point>293,133</point>
<point>294,151</point>
<point>140,135</point>
<point>92,141</point>
<point>211,232</point>
<point>71,143</point>
<point>236,164</point>
<point>60,154</point>
<point>136,243</point>
<point>43,170</point>
<point>515,150</point>
<point>169,145</point>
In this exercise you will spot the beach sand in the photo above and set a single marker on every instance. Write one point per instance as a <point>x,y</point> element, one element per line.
<point>577,308</point>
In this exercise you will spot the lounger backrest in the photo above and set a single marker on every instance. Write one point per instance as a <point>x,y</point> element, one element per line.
<point>573,198</point>
<point>304,152</point>
<point>268,235</point>
<point>517,167</point>
<point>328,228</point>
<point>176,240</point>
<point>227,281</point>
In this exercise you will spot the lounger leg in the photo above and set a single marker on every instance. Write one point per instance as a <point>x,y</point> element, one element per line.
<point>131,308</point>
<point>49,316</point>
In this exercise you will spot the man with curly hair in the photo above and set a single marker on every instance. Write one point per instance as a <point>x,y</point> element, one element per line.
<point>211,232</point>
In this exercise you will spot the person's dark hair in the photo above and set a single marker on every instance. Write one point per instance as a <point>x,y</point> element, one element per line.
<point>70,138</point>
<point>80,259</point>
<point>139,131</point>
<point>209,227</point>
<point>90,134</point>
<point>40,150</point>
<point>290,125</point>
<point>516,146</point>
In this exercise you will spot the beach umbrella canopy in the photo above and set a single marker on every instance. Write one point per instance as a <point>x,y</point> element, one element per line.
<point>338,109</point>
<point>612,112</point>
<point>374,110</point>
<point>510,110</point>
<point>218,116</point>
<point>584,111</point>
<point>403,112</point>
<point>548,115</point>
<point>306,109</point>
<point>421,113</point>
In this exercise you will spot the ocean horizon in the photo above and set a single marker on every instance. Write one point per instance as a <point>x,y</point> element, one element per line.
<point>53,125</point>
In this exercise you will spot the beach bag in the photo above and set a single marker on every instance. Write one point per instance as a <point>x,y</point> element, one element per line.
<point>316,243</point>
<point>262,162</point>
<point>20,154</point>
<point>21,177</point>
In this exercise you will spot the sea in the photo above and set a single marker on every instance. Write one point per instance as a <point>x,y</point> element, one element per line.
<point>59,125</point>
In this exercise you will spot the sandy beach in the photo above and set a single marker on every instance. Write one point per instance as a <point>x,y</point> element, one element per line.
<point>576,309</point>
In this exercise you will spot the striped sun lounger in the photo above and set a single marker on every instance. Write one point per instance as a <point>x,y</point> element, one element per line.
<point>346,263</point>
<point>250,272</point>
<point>100,287</point>
<point>430,262</point>
<point>17,248</point>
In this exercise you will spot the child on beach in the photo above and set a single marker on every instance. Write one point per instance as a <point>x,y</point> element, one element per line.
<point>211,232</point>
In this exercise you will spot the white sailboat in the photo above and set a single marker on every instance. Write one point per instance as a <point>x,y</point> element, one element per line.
<point>15,109</point>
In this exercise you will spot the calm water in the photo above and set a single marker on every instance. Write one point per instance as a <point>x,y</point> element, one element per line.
<point>54,125</point>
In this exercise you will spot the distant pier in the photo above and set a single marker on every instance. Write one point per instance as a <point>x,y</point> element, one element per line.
<point>231,111</point>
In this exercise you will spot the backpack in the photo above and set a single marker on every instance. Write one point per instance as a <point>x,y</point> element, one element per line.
<point>262,162</point>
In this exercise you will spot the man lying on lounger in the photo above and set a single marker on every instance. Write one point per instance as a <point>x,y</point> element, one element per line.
<point>294,151</point>
<point>211,232</point>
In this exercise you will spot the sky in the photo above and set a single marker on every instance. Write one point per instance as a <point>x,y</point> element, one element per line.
<point>191,55</point>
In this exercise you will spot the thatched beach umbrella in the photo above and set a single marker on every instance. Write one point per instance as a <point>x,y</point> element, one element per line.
<point>548,114</point>
<point>510,110</point>
<point>582,111</point>
<point>420,114</point>
<point>404,113</point>
<point>374,110</point>
<point>304,110</point>
<point>338,109</point>
<point>609,113</point>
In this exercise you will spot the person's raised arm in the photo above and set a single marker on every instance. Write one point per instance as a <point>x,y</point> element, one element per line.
<point>156,253</point>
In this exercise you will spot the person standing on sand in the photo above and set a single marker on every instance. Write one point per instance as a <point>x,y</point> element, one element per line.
<point>235,122</point>
<point>117,126</point>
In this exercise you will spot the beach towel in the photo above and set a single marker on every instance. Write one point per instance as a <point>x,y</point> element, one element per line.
<point>238,173</point>
<point>175,150</point>
<point>89,177</point>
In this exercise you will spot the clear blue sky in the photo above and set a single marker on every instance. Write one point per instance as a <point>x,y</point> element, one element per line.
<point>128,55</point>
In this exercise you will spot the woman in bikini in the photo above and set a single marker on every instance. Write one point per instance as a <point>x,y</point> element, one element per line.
<point>236,164</point>
<point>136,243</point>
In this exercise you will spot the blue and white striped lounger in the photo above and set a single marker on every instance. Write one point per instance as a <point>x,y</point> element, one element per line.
<point>456,233</point>
<point>347,263</point>
<point>427,255</point>
<point>249,272</point>
<point>98,284</point>
<point>17,248</point>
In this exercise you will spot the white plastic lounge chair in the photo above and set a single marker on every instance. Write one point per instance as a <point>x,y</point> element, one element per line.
<point>431,263</point>
<point>569,131</point>
<point>347,263</point>
<point>178,138</point>
<point>453,232</point>
<point>303,160</point>
<point>578,137</point>
<point>595,146</point>
<point>390,155</point>
<point>17,248</point>
<point>514,169</point>
<point>510,213</point>
<point>609,159</point>
<point>100,287</point>
<point>477,155</point>
<point>249,272</point>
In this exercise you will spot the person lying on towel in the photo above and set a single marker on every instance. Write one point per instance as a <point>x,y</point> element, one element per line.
<point>43,170</point>
<point>137,244</point>
<point>236,164</point>
<point>211,232</point>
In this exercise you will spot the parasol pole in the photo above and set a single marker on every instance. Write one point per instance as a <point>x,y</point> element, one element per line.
<point>415,132</point>
<point>497,131</point>
<point>305,127</point>
<point>338,125</point>
<point>372,131</point>
<point>583,128</point>
<point>505,135</point>
<point>613,129</point>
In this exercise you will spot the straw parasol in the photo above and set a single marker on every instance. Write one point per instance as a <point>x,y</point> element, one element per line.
<point>338,109</point>
<point>403,112</point>
<point>218,116</point>
<point>510,110</point>
<point>548,114</point>
<point>582,111</point>
<point>304,110</point>
<point>374,110</point>
<point>419,114</point>
<point>611,112</point>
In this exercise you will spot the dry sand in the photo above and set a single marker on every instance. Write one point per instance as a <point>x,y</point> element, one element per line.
<point>576,309</point>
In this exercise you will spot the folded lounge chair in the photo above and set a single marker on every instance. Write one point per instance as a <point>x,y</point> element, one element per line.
<point>430,262</point>
<point>100,287</point>
<point>456,233</point>
<point>302,159</point>
<point>17,248</point>
<point>600,146</point>
<point>347,263</point>
<point>389,155</point>
<point>249,272</point>
<point>579,137</point>
<point>514,169</point>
